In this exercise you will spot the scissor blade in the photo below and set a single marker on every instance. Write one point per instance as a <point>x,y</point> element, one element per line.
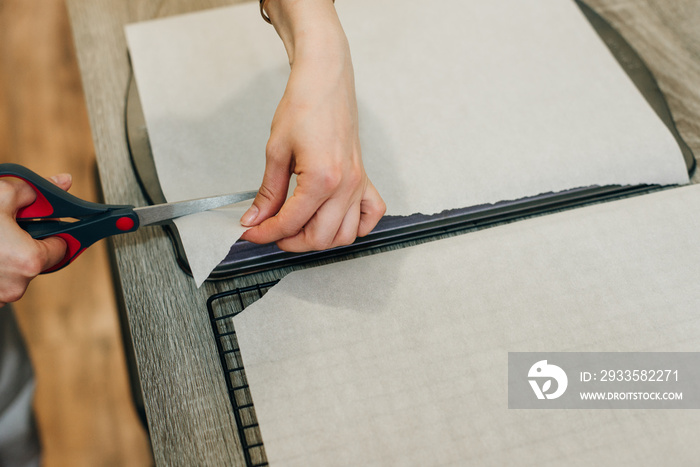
<point>162,213</point>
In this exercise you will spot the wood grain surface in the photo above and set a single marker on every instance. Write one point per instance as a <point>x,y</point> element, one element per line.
<point>189,413</point>
<point>84,409</point>
<point>667,37</point>
<point>185,396</point>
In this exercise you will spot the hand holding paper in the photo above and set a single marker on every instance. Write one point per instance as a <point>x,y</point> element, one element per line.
<point>314,135</point>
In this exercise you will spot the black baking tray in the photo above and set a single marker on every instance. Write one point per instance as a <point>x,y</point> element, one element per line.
<point>245,258</point>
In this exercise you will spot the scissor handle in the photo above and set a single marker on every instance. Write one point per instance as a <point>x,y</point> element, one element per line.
<point>94,221</point>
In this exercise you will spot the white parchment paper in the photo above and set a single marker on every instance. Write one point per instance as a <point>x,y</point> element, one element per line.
<point>401,358</point>
<point>462,102</point>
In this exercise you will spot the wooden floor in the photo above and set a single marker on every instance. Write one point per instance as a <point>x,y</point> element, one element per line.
<point>83,404</point>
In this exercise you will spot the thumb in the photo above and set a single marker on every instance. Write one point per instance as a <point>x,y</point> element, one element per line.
<point>271,195</point>
<point>55,250</point>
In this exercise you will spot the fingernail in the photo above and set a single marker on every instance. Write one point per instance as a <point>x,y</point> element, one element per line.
<point>62,179</point>
<point>249,216</point>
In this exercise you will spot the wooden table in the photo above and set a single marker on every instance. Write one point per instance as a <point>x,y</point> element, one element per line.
<point>184,392</point>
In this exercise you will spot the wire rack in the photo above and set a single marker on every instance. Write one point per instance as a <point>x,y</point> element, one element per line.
<point>222,308</point>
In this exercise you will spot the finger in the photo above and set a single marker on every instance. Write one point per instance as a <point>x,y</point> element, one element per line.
<point>273,190</point>
<point>64,181</point>
<point>15,194</point>
<point>54,250</point>
<point>322,231</point>
<point>289,221</point>
<point>347,233</point>
<point>372,209</point>
<point>312,190</point>
<point>20,194</point>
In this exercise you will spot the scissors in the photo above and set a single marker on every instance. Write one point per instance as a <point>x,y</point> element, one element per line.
<point>94,221</point>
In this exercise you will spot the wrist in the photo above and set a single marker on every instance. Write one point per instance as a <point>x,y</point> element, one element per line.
<point>307,28</point>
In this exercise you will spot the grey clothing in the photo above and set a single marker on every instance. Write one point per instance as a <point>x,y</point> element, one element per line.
<point>19,442</point>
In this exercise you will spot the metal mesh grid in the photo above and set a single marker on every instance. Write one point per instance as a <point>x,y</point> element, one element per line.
<point>222,308</point>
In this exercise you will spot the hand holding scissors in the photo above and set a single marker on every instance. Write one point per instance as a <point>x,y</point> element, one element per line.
<point>80,223</point>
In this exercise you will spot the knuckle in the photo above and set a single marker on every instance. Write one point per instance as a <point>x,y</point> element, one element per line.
<point>9,192</point>
<point>29,262</point>
<point>345,238</point>
<point>287,231</point>
<point>381,208</point>
<point>287,226</point>
<point>32,267</point>
<point>376,209</point>
<point>15,193</point>
<point>266,193</point>
<point>273,150</point>
<point>12,293</point>
<point>356,176</point>
<point>318,243</point>
<point>329,179</point>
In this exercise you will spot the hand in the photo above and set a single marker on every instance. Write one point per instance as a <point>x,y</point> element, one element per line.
<point>21,257</point>
<point>314,134</point>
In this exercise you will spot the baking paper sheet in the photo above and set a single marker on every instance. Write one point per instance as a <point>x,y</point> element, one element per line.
<point>461,103</point>
<point>401,358</point>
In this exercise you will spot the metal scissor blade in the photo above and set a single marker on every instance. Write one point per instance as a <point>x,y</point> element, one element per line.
<point>162,213</point>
